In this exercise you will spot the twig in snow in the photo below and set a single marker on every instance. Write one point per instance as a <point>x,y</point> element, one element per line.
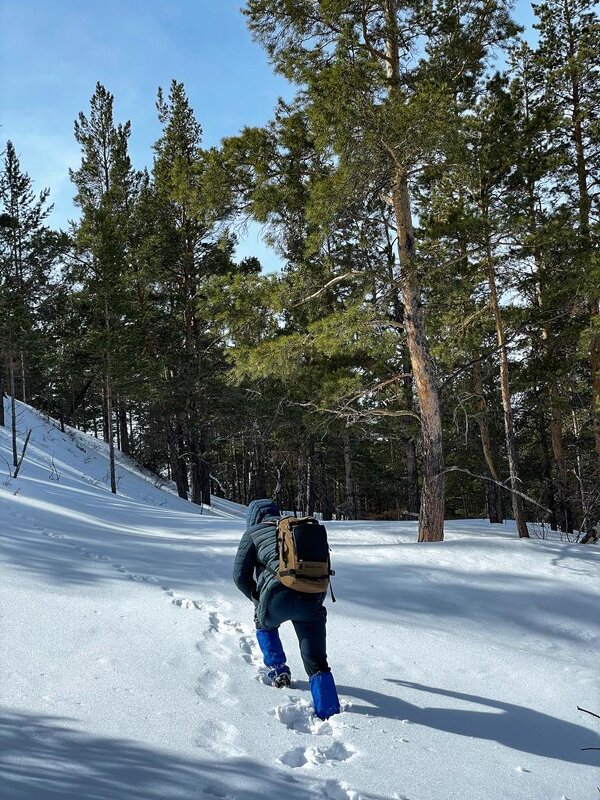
<point>18,467</point>
<point>589,712</point>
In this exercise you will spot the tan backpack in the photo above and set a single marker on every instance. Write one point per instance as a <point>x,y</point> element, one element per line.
<point>303,550</point>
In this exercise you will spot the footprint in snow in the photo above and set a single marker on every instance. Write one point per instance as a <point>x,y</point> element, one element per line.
<point>138,578</point>
<point>317,756</point>
<point>184,602</point>
<point>298,715</point>
<point>213,685</point>
<point>338,790</point>
<point>218,738</point>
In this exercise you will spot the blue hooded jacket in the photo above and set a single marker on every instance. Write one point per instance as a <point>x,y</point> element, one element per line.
<point>256,561</point>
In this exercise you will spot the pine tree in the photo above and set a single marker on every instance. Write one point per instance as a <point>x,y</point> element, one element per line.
<point>106,184</point>
<point>384,113</point>
<point>28,251</point>
<point>569,52</point>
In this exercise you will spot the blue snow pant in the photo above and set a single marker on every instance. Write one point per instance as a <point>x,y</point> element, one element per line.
<point>308,615</point>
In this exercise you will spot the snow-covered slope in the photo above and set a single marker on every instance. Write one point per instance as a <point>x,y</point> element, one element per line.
<point>129,669</point>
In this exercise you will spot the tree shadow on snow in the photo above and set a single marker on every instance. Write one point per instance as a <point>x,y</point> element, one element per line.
<point>43,758</point>
<point>513,726</point>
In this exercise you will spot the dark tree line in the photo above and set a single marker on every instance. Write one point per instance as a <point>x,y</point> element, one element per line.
<point>431,348</point>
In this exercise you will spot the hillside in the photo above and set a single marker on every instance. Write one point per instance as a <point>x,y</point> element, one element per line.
<point>130,671</point>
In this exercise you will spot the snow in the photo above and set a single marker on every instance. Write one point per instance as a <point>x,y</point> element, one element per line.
<point>129,668</point>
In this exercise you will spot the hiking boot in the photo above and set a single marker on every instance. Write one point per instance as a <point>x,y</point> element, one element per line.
<point>280,676</point>
<point>282,681</point>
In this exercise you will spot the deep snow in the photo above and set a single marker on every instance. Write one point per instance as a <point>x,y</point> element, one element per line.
<point>129,668</point>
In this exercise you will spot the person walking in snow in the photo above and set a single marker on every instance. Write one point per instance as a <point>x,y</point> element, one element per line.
<point>255,574</point>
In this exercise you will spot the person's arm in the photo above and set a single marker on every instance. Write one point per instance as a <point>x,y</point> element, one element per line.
<point>243,568</point>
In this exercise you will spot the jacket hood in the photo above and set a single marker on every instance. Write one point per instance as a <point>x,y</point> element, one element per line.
<point>259,509</point>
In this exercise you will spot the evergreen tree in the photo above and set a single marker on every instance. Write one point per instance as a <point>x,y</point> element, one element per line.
<point>106,185</point>
<point>28,251</point>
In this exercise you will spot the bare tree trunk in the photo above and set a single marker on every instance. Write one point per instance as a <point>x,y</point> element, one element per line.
<point>515,482</point>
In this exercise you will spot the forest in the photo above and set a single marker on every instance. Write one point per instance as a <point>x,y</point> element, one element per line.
<point>431,347</point>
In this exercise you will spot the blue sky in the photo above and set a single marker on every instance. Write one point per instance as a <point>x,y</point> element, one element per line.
<point>52,53</point>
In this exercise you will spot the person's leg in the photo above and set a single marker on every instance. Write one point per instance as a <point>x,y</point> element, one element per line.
<point>274,657</point>
<point>312,638</point>
<point>271,647</point>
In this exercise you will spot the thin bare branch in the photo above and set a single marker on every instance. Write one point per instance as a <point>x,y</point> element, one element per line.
<point>332,282</point>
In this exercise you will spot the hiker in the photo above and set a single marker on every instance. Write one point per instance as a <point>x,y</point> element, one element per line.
<point>256,575</point>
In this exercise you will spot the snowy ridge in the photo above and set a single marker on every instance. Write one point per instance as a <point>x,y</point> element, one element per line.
<point>130,669</point>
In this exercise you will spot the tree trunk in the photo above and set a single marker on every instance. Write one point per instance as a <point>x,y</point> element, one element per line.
<point>2,417</point>
<point>431,517</point>
<point>515,482</point>
<point>412,475</point>
<point>493,492</point>
<point>108,395</point>
<point>547,465</point>
<point>204,470</point>
<point>585,206</point>
<point>123,429</point>
<point>195,468</point>
<point>565,515</point>
<point>23,381</point>
<point>177,471</point>
<point>351,504</point>
<point>13,408</point>
<point>324,489</point>
<point>310,481</point>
